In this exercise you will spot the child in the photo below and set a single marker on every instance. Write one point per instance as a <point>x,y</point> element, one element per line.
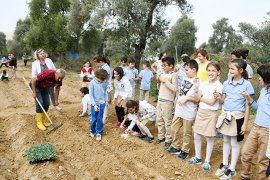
<point>205,123</point>
<point>3,61</point>
<point>132,74</point>
<point>123,90</point>
<point>133,116</point>
<point>87,74</point>
<point>232,122</point>
<point>256,142</point>
<point>103,63</point>
<point>124,64</point>
<point>4,75</point>
<point>98,99</point>
<point>85,101</point>
<point>145,76</point>
<point>185,111</point>
<point>168,87</point>
<point>13,65</point>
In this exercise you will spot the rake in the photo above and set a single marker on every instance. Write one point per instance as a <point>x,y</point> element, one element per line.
<point>54,126</point>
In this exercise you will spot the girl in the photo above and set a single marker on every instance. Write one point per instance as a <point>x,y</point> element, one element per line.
<point>98,99</point>
<point>123,90</point>
<point>232,122</point>
<point>205,123</point>
<point>133,117</point>
<point>87,73</point>
<point>203,57</point>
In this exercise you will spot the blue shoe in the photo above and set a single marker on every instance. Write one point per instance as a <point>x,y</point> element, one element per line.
<point>183,155</point>
<point>219,135</point>
<point>172,150</point>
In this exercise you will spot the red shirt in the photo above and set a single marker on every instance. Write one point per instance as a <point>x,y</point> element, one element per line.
<point>46,79</point>
<point>84,71</point>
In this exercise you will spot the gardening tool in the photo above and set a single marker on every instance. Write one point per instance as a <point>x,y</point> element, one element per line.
<point>54,126</point>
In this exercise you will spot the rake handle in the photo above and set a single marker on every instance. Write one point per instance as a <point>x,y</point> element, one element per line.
<point>38,101</point>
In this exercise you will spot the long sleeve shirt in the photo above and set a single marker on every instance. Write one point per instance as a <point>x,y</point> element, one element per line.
<point>122,88</point>
<point>168,89</point>
<point>98,92</point>
<point>86,104</point>
<point>36,69</point>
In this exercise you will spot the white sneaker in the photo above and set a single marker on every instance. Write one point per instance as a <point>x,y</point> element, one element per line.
<point>222,169</point>
<point>228,175</point>
<point>57,108</point>
<point>98,137</point>
<point>92,135</point>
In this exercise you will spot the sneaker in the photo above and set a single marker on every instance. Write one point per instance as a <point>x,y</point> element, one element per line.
<point>194,160</point>
<point>92,135</point>
<point>148,139</point>
<point>159,141</point>
<point>228,175</point>
<point>206,167</point>
<point>117,124</point>
<point>222,169</point>
<point>244,178</point>
<point>173,150</point>
<point>183,155</point>
<point>98,137</point>
<point>57,108</point>
<point>167,146</point>
<point>142,136</point>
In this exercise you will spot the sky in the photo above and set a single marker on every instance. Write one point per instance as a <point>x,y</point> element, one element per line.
<point>205,13</point>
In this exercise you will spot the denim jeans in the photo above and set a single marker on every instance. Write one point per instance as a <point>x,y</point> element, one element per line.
<point>52,95</point>
<point>96,123</point>
<point>43,97</point>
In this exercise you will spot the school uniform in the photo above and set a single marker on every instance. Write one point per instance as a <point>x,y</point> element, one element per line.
<point>206,118</point>
<point>256,142</point>
<point>165,106</point>
<point>146,75</point>
<point>184,116</point>
<point>130,74</point>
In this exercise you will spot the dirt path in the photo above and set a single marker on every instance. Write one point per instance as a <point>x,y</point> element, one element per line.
<point>79,156</point>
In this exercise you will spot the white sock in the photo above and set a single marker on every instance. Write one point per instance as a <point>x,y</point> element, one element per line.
<point>226,149</point>
<point>235,152</point>
<point>209,148</point>
<point>198,145</point>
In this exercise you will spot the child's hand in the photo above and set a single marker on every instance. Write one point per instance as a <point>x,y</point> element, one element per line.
<point>162,79</point>
<point>216,95</point>
<point>127,130</point>
<point>81,115</point>
<point>196,82</point>
<point>246,96</point>
<point>114,102</point>
<point>243,129</point>
<point>122,126</point>
<point>96,108</point>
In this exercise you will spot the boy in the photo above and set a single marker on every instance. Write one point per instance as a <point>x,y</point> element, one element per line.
<point>124,64</point>
<point>185,111</point>
<point>132,74</point>
<point>4,61</point>
<point>98,99</point>
<point>145,76</point>
<point>4,75</point>
<point>85,101</point>
<point>13,65</point>
<point>258,137</point>
<point>168,87</point>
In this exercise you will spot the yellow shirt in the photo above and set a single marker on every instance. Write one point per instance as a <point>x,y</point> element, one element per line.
<point>202,72</point>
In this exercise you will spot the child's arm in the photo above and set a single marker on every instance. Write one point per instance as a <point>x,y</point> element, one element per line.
<point>123,122</point>
<point>91,90</point>
<point>250,101</point>
<point>246,118</point>
<point>171,85</point>
<point>154,67</point>
<point>84,107</point>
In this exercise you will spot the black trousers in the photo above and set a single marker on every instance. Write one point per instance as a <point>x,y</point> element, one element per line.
<point>3,64</point>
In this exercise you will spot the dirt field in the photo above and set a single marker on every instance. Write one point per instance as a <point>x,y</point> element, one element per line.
<point>80,156</point>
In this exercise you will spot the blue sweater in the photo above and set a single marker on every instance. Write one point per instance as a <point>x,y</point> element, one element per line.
<point>98,92</point>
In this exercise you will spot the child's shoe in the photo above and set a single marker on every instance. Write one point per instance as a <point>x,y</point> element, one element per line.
<point>92,135</point>
<point>244,178</point>
<point>135,133</point>
<point>148,139</point>
<point>173,150</point>
<point>142,136</point>
<point>222,169</point>
<point>167,145</point>
<point>194,160</point>
<point>206,167</point>
<point>219,135</point>
<point>228,175</point>
<point>183,155</point>
<point>98,137</point>
<point>159,141</point>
